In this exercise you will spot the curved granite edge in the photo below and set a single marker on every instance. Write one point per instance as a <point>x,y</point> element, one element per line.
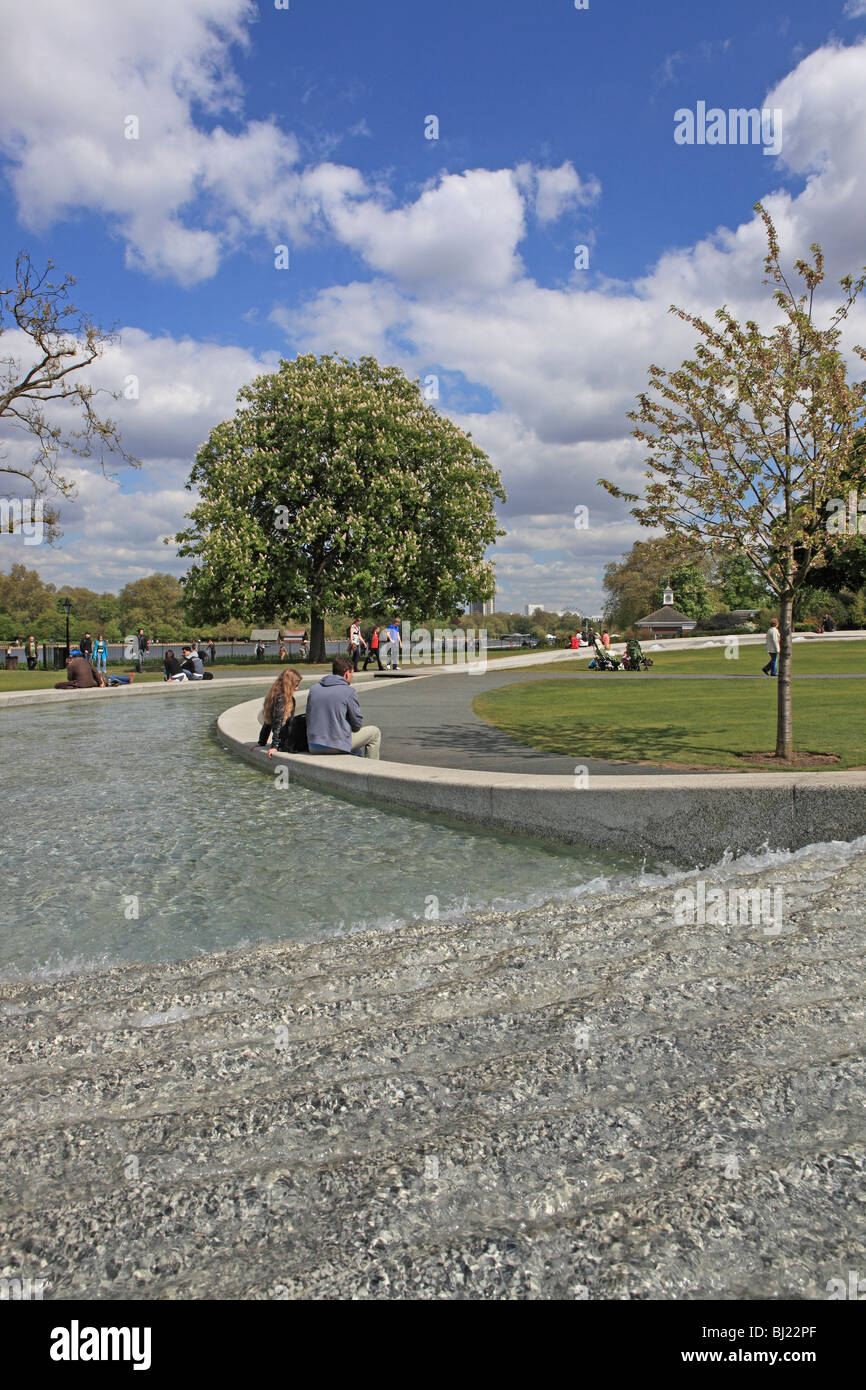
<point>692,817</point>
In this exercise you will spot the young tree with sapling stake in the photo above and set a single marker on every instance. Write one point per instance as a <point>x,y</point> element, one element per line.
<point>750,439</point>
<point>336,488</point>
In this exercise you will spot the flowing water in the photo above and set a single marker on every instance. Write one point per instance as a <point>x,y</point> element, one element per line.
<point>646,1083</point>
<point>130,834</point>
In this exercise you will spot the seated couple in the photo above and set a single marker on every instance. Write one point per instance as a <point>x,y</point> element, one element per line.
<point>84,676</point>
<point>190,669</point>
<point>333,722</point>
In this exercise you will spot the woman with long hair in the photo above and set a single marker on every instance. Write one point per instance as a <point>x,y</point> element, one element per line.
<point>279,711</point>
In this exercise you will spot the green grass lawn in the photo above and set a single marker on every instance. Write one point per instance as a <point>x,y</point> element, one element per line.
<point>810,658</point>
<point>628,717</point>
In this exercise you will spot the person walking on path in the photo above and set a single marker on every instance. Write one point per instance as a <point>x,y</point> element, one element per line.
<point>605,640</point>
<point>334,720</point>
<point>86,646</point>
<point>31,651</point>
<point>772,644</point>
<point>100,653</point>
<point>373,649</point>
<point>395,645</point>
<point>211,646</point>
<point>357,645</point>
<point>143,645</point>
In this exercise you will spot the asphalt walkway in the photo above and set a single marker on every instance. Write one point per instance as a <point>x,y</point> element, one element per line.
<point>430,721</point>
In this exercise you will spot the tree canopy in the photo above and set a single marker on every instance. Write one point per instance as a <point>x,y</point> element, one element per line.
<point>335,487</point>
<point>633,584</point>
<point>27,604</point>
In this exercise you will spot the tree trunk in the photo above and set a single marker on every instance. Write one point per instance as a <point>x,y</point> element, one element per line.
<point>784,726</point>
<point>317,638</point>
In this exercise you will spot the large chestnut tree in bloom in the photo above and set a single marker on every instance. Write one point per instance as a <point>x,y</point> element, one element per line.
<point>337,487</point>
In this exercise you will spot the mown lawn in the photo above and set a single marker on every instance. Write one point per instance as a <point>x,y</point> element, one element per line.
<point>628,717</point>
<point>811,658</point>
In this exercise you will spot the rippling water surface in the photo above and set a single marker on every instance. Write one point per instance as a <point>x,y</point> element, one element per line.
<point>108,802</point>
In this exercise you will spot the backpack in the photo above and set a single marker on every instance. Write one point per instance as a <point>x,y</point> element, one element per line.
<point>293,738</point>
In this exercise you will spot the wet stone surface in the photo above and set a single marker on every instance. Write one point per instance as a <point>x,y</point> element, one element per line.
<point>580,1100</point>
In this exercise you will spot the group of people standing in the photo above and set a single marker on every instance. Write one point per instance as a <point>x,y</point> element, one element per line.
<point>96,652</point>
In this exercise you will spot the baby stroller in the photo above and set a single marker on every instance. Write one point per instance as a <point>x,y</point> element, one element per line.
<point>634,659</point>
<point>604,660</point>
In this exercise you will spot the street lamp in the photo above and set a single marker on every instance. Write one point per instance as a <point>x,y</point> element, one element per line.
<point>67,608</point>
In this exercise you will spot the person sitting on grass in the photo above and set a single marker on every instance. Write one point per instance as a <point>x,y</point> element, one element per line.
<point>80,672</point>
<point>334,720</point>
<point>278,714</point>
<point>192,664</point>
<point>112,680</point>
<point>171,667</point>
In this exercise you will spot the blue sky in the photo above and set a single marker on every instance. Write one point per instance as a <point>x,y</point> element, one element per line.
<point>452,256</point>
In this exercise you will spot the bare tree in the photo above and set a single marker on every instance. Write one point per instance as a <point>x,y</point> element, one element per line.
<point>40,382</point>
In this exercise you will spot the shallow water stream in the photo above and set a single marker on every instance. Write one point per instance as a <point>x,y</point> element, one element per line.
<point>131,807</point>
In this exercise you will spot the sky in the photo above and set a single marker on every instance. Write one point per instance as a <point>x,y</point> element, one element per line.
<point>430,170</point>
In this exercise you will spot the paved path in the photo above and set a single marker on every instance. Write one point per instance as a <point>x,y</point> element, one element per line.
<point>430,721</point>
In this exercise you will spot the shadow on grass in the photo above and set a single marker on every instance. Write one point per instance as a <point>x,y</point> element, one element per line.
<point>665,743</point>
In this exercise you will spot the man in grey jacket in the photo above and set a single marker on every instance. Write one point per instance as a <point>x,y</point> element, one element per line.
<point>334,720</point>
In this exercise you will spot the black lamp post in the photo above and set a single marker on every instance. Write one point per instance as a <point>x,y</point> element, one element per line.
<point>67,608</point>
